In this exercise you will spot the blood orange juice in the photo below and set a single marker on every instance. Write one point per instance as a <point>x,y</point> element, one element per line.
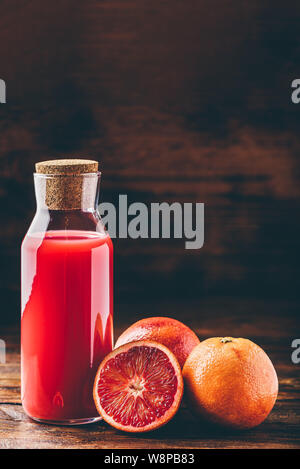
<point>66,321</point>
<point>67,294</point>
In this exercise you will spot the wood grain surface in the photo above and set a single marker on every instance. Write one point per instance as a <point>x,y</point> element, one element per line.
<point>273,330</point>
<point>179,101</point>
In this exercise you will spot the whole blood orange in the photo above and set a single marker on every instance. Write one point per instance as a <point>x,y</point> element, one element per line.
<point>138,386</point>
<point>175,335</point>
<point>231,382</point>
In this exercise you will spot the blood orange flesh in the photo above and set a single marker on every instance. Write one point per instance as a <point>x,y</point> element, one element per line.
<point>138,386</point>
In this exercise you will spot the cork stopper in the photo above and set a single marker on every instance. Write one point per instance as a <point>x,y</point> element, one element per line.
<point>66,185</point>
<point>72,166</point>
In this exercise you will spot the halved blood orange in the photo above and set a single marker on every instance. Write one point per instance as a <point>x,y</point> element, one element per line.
<point>138,386</point>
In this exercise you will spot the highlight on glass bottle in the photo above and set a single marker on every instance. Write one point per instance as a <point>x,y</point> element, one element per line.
<point>67,294</point>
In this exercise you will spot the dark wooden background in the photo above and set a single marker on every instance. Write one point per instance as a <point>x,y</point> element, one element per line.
<point>179,101</point>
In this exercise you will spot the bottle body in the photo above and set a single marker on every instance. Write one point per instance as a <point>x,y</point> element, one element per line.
<point>67,314</point>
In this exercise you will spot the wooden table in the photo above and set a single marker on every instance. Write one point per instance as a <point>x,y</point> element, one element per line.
<point>274,331</point>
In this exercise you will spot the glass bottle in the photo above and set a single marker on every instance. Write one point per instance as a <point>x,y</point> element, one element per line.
<point>67,294</point>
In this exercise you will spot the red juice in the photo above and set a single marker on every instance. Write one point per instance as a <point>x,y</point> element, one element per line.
<point>66,321</point>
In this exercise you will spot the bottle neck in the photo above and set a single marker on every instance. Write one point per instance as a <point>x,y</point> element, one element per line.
<point>65,193</point>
